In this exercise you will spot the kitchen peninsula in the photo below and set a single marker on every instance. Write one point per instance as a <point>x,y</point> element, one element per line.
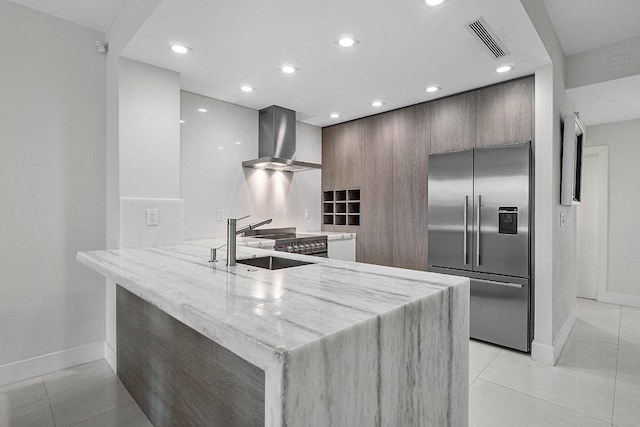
<point>332,343</point>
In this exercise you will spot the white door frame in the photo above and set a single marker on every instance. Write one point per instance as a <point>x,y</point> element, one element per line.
<point>602,152</point>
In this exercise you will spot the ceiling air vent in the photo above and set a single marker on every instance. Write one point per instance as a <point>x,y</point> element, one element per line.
<point>487,38</point>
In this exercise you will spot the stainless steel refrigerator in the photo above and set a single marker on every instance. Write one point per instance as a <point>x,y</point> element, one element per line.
<point>479,227</point>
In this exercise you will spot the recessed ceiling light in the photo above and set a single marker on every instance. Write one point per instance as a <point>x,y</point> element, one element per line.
<point>377,103</point>
<point>288,69</point>
<point>334,115</point>
<point>433,2</point>
<point>220,148</point>
<point>180,48</point>
<point>181,121</point>
<point>246,88</point>
<point>202,110</point>
<point>347,41</point>
<point>433,88</point>
<point>504,68</point>
<point>238,142</point>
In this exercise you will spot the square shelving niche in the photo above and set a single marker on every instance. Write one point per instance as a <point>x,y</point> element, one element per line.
<point>341,207</point>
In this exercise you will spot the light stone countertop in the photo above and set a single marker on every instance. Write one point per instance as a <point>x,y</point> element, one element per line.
<point>257,313</point>
<point>340,343</point>
<point>253,242</point>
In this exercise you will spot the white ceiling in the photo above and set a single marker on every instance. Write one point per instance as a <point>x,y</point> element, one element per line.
<point>96,14</point>
<point>587,24</point>
<point>612,101</point>
<point>583,25</point>
<point>404,47</point>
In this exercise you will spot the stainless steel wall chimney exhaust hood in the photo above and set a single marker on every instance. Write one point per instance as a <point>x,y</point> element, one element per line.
<point>277,142</point>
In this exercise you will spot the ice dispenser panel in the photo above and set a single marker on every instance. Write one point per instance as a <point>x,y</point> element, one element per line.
<point>508,220</point>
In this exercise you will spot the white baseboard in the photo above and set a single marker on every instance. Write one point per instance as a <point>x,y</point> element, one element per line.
<point>41,365</point>
<point>549,354</point>
<point>110,357</point>
<point>620,299</point>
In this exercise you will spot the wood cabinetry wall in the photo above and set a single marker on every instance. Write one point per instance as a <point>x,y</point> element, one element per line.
<point>386,156</point>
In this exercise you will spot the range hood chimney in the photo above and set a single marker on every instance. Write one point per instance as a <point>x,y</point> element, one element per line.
<point>277,142</point>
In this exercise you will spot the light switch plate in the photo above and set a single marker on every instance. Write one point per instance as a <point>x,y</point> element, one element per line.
<point>562,219</point>
<point>220,214</point>
<point>306,214</point>
<point>152,216</point>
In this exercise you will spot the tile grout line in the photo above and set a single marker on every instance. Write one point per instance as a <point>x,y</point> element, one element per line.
<point>615,374</point>
<point>44,384</point>
<point>485,368</point>
<point>546,401</point>
<point>615,377</point>
<point>105,413</point>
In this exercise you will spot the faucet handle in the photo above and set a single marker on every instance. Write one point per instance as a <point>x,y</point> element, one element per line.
<point>244,217</point>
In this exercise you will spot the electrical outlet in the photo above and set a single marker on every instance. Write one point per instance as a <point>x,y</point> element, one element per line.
<point>152,216</point>
<point>306,214</point>
<point>220,215</point>
<point>562,219</point>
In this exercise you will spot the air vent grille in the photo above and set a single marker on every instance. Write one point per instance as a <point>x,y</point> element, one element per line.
<point>487,38</point>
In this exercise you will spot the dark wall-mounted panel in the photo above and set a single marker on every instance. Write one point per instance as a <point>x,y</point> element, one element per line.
<point>179,377</point>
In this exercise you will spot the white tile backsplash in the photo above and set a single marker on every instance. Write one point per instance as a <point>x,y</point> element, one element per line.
<point>212,176</point>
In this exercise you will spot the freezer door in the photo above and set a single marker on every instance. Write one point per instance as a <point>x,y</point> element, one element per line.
<point>499,313</point>
<point>501,211</point>
<point>450,209</point>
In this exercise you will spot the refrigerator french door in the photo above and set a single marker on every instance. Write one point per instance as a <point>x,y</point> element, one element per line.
<point>479,227</point>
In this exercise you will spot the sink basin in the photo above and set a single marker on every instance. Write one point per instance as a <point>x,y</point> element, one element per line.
<point>272,262</point>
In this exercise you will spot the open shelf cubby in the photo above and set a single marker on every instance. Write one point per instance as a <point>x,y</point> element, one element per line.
<point>341,207</point>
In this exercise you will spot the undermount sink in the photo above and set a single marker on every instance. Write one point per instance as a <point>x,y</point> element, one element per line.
<point>272,262</point>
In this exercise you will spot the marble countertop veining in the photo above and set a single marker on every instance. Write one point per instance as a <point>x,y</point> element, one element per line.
<point>256,313</point>
<point>267,243</point>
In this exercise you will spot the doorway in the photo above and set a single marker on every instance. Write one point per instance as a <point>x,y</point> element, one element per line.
<point>592,223</point>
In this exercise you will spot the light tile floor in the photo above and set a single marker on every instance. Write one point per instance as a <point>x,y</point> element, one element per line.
<point>595,383</point>
<point>86,395</point>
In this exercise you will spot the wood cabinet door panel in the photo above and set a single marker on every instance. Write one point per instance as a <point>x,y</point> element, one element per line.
<point>504,113</point>
<point>376,222</point>
<point>410,161</point>
<point>453,123</point>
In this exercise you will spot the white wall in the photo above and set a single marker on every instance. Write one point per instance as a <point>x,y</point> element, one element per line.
<point>149,131</point>
<point>554,246</point>
<point>213,178</point>
<point>52,189</point>
<point>623,140</point>
<point>149,154</point>
<point>131,16</point>
<point>592,66</point>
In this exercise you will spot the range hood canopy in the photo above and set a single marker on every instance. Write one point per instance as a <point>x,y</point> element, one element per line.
<point>277,142</point>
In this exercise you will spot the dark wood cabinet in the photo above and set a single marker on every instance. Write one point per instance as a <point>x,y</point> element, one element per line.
<point>453,123</point>
<point>331,146</point>
<point>376,222</point>
<point>411,155</point>
<point>504,113</point>
<point>386,158</point>
<point>341,156</point>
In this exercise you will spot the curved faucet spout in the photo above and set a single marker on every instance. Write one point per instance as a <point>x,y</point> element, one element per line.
<point>232,233</point>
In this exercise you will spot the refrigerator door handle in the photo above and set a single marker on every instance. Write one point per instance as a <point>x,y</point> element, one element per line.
<point>505,284</point>
<point>466,230</point>
<point>478,231</point>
